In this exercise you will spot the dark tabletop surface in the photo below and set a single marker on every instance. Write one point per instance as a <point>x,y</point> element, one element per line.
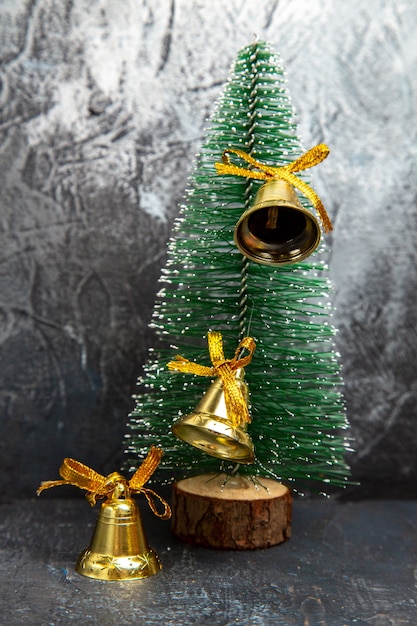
<point>346,563</point>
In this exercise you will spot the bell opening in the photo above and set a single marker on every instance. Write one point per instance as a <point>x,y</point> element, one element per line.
<point>277,235</point>
<point>284,225</point>
<point>214,442</point>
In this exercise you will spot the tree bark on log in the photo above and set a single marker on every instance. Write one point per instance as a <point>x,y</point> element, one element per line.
<point>231,513</point>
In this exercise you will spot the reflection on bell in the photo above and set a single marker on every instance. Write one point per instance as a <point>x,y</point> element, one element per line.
<point>277,230</point>
<point>118,548</point>
<point>209,429</point>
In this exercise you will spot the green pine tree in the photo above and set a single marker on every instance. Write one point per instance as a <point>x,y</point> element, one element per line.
<point>294,381</point>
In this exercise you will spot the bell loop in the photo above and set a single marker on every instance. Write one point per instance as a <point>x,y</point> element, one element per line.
<point>117,486</point>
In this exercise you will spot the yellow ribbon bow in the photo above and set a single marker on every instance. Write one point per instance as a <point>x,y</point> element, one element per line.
<point>236,406</point>
<point>268,172</point>
<point>98,486</point>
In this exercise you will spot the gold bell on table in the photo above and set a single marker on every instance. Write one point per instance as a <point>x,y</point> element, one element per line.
<point>277,230</point>
<point>118,549</point>
<point>217,426</point>
<point>209,429</point>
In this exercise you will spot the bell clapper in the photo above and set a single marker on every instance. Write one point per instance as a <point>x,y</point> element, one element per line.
<point>272,217</point>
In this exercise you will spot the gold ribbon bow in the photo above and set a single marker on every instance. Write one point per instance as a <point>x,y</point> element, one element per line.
<point>268,172</point>
<point>98,486</point>
<point>236,406</point>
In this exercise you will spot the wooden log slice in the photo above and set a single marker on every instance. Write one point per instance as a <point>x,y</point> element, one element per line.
<point>216,511</point>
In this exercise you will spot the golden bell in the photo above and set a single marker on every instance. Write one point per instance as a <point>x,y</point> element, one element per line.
<point>277,230</point>
<point>209,429</point>
<point>118,548</point>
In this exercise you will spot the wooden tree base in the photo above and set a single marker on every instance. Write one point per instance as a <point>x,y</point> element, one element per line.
<point>231,513</point>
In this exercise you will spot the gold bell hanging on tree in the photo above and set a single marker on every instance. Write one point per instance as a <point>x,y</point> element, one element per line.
<point>277,229</point>
<point>118,549</point>
<point>217,426</point>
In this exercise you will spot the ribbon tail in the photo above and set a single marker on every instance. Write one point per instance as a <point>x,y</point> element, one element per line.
<point>149,495</point>
<point>237,409</point>
<point>265,169</point>
<point>309,193</point>
<point>145,471</point>
<point>235,170</point>
<point>236,406</point>
<point>188,367</point>
<point>215,346</point>
<point>47,484</point>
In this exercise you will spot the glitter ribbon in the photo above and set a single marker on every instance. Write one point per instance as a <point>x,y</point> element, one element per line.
<point>268,172</point>
<point>98,486</point>
<point>236,405</point>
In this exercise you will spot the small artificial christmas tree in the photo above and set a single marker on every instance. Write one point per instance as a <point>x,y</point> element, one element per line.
<point>294,379</point>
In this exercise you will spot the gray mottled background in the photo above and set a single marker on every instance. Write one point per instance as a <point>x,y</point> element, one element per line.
<point>103,106</point>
